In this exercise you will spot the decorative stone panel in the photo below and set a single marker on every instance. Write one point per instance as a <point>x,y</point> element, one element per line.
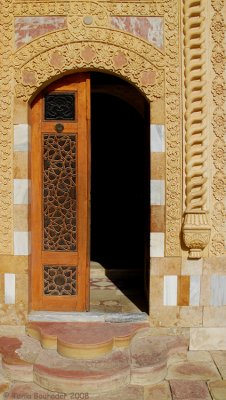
<point>153,71</point>
<point>91,43</point>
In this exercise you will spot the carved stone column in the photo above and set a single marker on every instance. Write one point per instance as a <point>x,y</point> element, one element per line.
<point>196,228</point>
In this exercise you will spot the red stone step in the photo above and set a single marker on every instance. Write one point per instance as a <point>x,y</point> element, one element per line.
<point>64,375</point>
<point>83,340</point>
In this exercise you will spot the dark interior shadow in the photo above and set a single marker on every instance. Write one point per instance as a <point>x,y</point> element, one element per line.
<point>120,186</point>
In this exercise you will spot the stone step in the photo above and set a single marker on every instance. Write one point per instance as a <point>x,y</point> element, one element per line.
<point>143,362</point>
<point>91,316</point>
<point>83,340</point>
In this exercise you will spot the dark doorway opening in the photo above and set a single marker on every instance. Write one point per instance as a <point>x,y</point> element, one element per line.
<point>120,184</point>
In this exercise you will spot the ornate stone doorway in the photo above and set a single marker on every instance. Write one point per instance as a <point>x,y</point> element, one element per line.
<point>120,176</point>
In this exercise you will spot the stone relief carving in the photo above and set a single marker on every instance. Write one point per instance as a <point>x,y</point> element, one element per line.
<point>219,127</point>
<point>6,75</point>
<point>156,73</point>
<point>196,223</point>
<point>93,55</point>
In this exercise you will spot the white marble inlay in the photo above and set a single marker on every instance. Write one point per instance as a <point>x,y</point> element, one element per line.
<point>194,290</point>
<point>21,191</point>
<point>170,290</point>
<point>218,290</point>
<point>9,286</point>
<point>157,244</point>
<point>21,243</point>
<point>21,137</point>
<point>157,138</point>
<point>157,192</point>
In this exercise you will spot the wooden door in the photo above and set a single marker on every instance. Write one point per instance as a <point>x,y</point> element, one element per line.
<point>59,216</point>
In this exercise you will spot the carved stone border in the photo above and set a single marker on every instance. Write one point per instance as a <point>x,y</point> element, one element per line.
<point>153,76</point>
<point>6,128</point>
<point>219,127</point>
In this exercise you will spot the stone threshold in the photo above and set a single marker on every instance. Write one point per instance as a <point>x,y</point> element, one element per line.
<point>58,316</point>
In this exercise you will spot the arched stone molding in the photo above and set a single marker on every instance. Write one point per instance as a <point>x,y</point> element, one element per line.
<point>58,53</point>
<point>196,229</point>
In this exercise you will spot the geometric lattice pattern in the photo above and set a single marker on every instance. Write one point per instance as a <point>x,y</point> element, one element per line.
<point>59,280</point>
<point>59,192</point>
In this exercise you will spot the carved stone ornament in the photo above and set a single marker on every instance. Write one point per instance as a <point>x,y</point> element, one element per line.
<point>196,230</point>
<point>6,127</point>
<point>90,43</point>
<point>219,118</point>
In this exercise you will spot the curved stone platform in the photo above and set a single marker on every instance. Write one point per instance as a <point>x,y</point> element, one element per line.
<point>83,340</point>
<point>143,362</point>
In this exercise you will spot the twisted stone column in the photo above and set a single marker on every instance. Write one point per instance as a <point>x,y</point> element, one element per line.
<point>196,229</point>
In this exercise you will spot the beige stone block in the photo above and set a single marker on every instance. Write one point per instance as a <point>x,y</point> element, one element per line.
<point>196,356</point>
<point>20,166</point>
<point>101,295</point>
<point>218,390</point>
<point>165,266</point>
<point>156,291</point>
<point>193,371</point>
<point>20,115</point>
<point>173,331</point>
<point>165,316</point>
<point>20,217</point>
<point>190,316</point>
<point>13,264</point>
<point>158,112</point>
<point>214,316</point>
<point>22,289</point>
<point>214,265</point>
<point>208,339</point>
<point>220,361</point>
<point>205,290</point>
<point>157,220</point>
<point>157,392</point>
<point>2,294</point>
<point>12,330</point>
<point>158,166</point>
<point>175,358</point>
<point>13,314</point>
<point>191,267</point>
<point>183,290</point>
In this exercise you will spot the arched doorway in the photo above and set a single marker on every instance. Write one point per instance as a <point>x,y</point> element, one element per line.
<point>119,188</point>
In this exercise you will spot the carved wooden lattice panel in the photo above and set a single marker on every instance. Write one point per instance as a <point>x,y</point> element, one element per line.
<point>59,280</point>
<point>59,192</point>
